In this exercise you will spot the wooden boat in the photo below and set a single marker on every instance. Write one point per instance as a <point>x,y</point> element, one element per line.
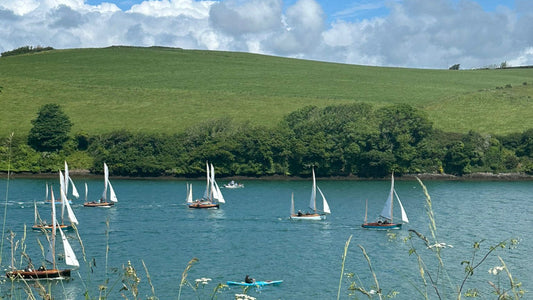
<point>40,226</point>
<point>65,205</point>
<point>38,274</point>
<point>54,273</point>
<point>212,195</point>
<point>386,217</point>
<point>257,283</point>
<point>204,204</point>
<point>315,215</point>
<point>104,201</point>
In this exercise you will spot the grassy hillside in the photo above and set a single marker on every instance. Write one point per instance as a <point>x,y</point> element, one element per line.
<point>168,90</point>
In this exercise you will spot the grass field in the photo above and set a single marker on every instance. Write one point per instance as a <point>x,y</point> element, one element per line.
<point>167,90</point>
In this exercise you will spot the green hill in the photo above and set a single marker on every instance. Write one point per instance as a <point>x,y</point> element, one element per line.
<point>167,90</point>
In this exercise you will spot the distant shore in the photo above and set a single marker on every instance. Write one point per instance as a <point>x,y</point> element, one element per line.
<point>481,176</point>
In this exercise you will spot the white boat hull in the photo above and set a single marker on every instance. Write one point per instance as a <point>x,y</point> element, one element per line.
<point>312,217</point>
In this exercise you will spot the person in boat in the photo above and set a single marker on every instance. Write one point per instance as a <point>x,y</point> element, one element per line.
<point>300,213</point>
<point>249,279</point>
<point>41,268</point>
<point>29,268</point>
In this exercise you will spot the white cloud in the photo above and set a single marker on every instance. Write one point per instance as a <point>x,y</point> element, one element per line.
<point>415,33</point>
<point>524,58</point>
<point>304,23</point>
<point>237,18</point>
<point>173,8</point>
<point>431,34</point>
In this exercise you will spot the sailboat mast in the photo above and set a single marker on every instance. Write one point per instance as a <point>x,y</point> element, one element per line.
<point>366,210</point>
<point>392,198</point>
<point>54,223</point>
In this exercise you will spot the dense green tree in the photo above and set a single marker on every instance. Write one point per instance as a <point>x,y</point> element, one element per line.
<point>339,140</point>
<point>50,129</point>
<point>401,128</point>
<point>526,144</point>
<point>456,161</point>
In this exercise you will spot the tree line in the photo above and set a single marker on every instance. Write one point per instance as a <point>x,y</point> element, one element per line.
<point>339,140</point>
<point>25,50</point>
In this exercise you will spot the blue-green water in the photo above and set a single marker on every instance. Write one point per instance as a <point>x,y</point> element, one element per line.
<point>251,234</point>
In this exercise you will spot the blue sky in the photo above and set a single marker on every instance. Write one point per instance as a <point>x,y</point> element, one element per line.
<point>398,33</point>
<point>336,8</point>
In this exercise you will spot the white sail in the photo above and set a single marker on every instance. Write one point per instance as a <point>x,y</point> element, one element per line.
<point>106,180</point>
<point>189,193</point>
<point>74,190</point>
<point>387,209</point>
<point>292,204</point>
<point>112,195</point>
<point>86,191</point>
<point>219,197</point>
<point>70,257</point>
<point>65,180</point>
<point>404,214</point>
<point>50,254</point>
<point>207,193</point>
<point>215,193</point>
<point>312,201</point>
<point>46,195</point>
<point>61,193</point>
<point>70,213</point>
<point>324,201</point>
<point>35,213</point>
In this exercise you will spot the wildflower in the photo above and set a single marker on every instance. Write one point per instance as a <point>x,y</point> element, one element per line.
<point>202,280</point>
<point>439,245</point>
<point>496,270</point>
<point>243,297</point>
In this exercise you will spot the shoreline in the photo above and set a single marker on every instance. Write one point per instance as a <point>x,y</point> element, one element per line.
<point>480,176</point>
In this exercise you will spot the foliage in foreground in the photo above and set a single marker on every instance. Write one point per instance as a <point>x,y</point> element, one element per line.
<point>434,280</point>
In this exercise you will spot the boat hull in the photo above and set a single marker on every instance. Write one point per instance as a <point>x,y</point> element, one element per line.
<point>382,226</point>
<point>49,227</point>
<point>57,202</point>
<point>36,274</point>
<point>309,217</point>
<point>204,205</point>
<point>257,283</point>
<point>233,186</point>
<point>98,204</point>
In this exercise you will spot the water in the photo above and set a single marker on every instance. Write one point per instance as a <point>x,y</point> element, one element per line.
<point>251,234</point>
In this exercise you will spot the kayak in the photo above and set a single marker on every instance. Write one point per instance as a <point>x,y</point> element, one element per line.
<point>257,283</point>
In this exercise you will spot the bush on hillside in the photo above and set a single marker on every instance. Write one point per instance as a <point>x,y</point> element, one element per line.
<point>25,50</point>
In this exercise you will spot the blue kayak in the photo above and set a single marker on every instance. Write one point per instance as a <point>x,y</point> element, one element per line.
<point>257,283</point>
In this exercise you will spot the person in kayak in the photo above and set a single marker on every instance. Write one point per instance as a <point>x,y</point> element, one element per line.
<point>249,279</point>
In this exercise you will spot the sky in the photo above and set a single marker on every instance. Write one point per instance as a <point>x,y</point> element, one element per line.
<point>432,34</point>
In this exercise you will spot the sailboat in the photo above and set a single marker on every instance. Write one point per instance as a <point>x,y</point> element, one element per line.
<point>104,201</point>
<point>212,195</point>
<point>386,221</point>
<point>67,181</point>
<point>54,273</point>
<point>189,194</point>
<point>315,215</point>
<point>65,205</point>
